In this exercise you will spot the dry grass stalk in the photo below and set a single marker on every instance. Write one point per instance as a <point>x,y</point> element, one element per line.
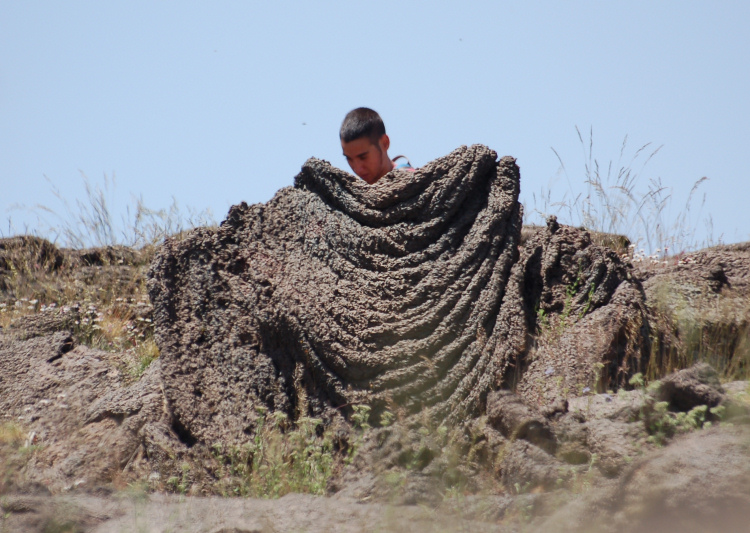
<point>613,203</point>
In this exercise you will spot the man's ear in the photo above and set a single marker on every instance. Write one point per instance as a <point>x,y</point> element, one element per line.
<point>384,142</point>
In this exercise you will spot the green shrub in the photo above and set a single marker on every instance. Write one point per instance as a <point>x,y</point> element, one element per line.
<point>279,459</point>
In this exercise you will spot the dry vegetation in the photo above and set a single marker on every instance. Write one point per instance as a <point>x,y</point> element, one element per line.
<point>614,202</point>
<point>99,294</point>
<point>689,328</point>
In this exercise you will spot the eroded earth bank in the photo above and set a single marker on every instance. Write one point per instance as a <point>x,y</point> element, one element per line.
<point>407,354</point>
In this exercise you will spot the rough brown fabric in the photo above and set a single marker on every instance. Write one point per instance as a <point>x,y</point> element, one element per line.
<point>407,295</point>
<point>337,293</point>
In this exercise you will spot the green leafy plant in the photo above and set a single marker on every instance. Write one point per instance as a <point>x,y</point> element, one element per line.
<point>279,459</point>
<point>661,423</point>
<point>361,416</point>
<point>180,483</point>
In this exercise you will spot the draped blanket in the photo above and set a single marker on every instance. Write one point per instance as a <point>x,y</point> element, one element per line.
<point>398,295</point>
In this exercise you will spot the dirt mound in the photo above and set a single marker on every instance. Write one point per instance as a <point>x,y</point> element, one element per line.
<point>699,483</point>
<point>699,308</point>
<point>73,402</point>
<point>27,252</point>
<point>587,314</point>
<point>294,512</point>
<point>407,296</point>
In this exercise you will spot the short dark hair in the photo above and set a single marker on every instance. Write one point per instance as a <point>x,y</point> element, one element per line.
<point>362,122</point>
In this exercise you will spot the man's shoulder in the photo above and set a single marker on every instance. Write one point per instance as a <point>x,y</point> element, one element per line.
<point>403,164</point>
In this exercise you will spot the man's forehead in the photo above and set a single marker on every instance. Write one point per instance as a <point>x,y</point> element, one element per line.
<point>355,154</point>
<point>357,147</point>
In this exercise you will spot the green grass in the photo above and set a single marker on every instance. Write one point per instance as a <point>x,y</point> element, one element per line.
<point>280,458</point>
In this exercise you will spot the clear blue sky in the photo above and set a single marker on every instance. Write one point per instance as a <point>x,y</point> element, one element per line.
<point>213,103</point>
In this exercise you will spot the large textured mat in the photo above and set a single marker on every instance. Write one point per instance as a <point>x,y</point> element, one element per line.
<point>337,293</point>
<point>410,295</point>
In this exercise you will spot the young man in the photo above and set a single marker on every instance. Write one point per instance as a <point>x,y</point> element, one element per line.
<point>365,145</point>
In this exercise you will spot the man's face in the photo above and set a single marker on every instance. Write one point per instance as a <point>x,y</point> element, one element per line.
<point>369,161</point>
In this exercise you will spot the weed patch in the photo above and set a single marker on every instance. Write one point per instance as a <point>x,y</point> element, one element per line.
<point>16,449</point>
<point>279,459</point>
<point>663,424</point>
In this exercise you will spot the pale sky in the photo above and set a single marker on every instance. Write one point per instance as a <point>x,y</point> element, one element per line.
<point>213,103</point>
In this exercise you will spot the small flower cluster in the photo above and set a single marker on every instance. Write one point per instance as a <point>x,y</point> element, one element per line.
<point>16,308</point>
<point>24,304</point>
<point>119,325</point>
<point>658,258</point>
<point>122,325</point>
<point>89,316</point>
